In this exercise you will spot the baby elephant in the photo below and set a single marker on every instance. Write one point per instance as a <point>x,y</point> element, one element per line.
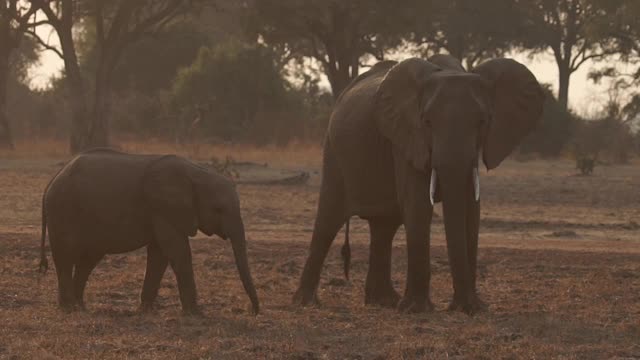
<point>108,202</point>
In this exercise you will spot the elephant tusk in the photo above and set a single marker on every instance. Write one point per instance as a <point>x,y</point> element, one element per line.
<point>476,183</point>
<point>432,186</point>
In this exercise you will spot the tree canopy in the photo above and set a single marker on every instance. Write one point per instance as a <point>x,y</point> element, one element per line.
<point>230,90</point>
<point>340,35</point>
<point>468,30</point>
<point>255,70</point>
<point>575,31</point>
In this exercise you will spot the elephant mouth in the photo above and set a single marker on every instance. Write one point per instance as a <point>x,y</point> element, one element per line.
<point>434,187</point>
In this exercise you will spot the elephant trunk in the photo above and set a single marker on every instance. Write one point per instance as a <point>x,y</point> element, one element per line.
<point>239,245</point>
<point>458,188</point>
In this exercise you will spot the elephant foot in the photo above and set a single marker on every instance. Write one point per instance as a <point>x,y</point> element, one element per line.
<point>304,297</point>
<point>469,306</point>
<point>145,307</point>
<point>192,310</point>
<point>67,306</point>
<point>415,304</point>
<point>386,297</point>
<point>66,309</point>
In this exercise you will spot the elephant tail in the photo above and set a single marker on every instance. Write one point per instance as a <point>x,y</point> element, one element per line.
<point>44,264</point>
<point>346,250</point>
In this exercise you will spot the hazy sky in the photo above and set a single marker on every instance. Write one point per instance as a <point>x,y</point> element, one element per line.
<point>585,97</point>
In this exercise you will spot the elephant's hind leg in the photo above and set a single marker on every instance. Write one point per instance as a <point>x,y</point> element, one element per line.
<point>66,297</point>
<point>63,259</point>
<point>83,268</point>
<point>329,219</point>
<point>157,264</point>
<point>378,287</point>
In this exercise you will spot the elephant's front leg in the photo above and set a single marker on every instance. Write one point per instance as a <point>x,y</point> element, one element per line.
<point>417,212</point>
<point>176,247</point>
<point>379,288</point>
<point>157,264</point>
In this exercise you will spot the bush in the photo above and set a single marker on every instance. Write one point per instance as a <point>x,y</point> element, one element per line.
<point>236,92</point>
<point>605,139</point>
<point>553,134</point>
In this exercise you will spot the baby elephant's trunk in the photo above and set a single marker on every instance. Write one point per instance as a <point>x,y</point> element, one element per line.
<point>239,245</point>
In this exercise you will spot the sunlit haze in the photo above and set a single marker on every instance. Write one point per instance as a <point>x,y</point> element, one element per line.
<point>585,96</point>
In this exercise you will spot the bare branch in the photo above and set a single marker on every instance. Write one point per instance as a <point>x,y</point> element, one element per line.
<point>169,12</point>
<point>44,44</point>
<point>44,6</point>
<point>575,63</point>
<point>37,23</point>
<point>586,58</point>
<point>30,12</point>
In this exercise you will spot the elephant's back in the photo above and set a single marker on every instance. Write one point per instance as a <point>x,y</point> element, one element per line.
<point>354,107</point>
<point>99,195</point>
<point>100,171</point>
<point>363,155</point>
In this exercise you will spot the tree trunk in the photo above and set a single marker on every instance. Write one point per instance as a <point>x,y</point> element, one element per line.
<point>339,80</point>
<point>99,129</point>
<point>6,138</point>
<point>563,86</point>
<point>77,94</point>
<point>341,72</point>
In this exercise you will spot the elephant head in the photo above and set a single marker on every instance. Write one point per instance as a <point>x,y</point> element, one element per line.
<point>191,198</point>
<point>437,114</point>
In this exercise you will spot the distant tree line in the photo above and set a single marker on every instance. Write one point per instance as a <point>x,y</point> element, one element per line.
<point>252,70</point>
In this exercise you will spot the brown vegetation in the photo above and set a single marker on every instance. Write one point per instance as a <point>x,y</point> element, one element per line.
<point>559,266</point>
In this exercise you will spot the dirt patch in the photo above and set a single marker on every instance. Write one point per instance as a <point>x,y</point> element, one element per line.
<point>542,303</point>
<point>560,296</point>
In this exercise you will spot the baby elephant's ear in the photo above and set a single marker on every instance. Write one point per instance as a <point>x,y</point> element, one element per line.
<point>399,103</point>
<point>517,107</point>
<point>169,193</point>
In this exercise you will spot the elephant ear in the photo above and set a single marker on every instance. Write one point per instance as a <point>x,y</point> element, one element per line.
<point>399,105</point>
<point>169,193</point>
<point>517,107</point>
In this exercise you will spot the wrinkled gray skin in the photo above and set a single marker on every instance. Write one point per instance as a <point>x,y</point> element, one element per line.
<point>389,130</point>
<point>108,202</point>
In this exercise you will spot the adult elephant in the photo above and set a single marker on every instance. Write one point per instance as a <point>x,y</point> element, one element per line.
<point>402,134</point>
<point>108,202</point>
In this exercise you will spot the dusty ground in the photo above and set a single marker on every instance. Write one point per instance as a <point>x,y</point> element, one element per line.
<point>559,266</point>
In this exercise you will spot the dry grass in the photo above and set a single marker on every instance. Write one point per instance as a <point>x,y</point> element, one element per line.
<point>559,266</point>
<point>294,154</point>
